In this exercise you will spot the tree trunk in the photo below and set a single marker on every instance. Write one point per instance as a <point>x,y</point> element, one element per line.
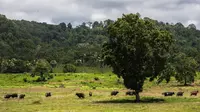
<point>137,96</point>
<point>185,82</point>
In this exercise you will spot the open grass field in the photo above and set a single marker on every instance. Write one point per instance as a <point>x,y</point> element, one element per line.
<point>64,86</point>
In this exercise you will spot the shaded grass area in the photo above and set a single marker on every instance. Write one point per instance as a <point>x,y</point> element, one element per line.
<point>143,100</point>
<point>152,100</point>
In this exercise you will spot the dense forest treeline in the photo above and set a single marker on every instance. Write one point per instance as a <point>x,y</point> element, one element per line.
<point>24,41</point>
<point>31,40</point>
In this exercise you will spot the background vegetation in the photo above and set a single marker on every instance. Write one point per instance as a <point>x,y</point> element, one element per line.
<point>23,44</point>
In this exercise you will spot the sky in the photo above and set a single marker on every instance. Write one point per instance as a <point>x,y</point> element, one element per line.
<point>78,11</point>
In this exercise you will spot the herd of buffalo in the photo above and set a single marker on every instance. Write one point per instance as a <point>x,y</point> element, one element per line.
<point>21,96</point>
<point>179,93</point>
<point>14,95</point>
<point>131,93</point>
<point>113,93</point>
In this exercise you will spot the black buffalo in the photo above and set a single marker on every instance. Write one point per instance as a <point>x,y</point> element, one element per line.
<point>7,96</point>
<point>179,94</point>
<point>114,93</point>
<point>90,93</point>
<point>21,96</point>
<point>80,95</point>
<point>168,93</point>
<point>48,94</point>
<point>14,95</point>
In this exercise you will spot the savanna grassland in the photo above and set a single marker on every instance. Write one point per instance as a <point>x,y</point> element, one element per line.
<point>64,86</point>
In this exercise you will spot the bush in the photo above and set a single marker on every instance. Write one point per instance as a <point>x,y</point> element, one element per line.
<point>61,86</point>
<point>69,68</point>
<point>42,69</point>
<point>41,79</point>
<point>50,76</point>
<point>25,79</point>
<point>14,66</point>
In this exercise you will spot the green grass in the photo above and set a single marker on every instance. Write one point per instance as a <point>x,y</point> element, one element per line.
<point>64,99</point>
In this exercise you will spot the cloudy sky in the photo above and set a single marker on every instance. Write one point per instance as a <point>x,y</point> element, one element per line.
<point>77,11</point>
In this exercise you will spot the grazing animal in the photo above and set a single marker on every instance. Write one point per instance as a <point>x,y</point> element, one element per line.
<point>114,93</point>
<point>7,96</point>
<point>179,94</point>
<point>14,95</point>
<point>130,93</point>
<point>168,93</point>
<point>194,93</point>
<point>90,93</point>
<point>21,96</point>
<point>80,95</point>
<point>96,78</point>
<point>48,94</point>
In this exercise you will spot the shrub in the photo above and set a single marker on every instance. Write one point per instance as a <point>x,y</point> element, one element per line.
<point>25,79</point>
<point>14,66</point>
<point>61,86</point>
<point>42,69</point>
<point>93,87</point>
<point>69,68</point>
<point>50,76</point>
<point>40,79</point>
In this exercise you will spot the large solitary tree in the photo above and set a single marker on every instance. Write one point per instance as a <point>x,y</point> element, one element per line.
<point>136,50</point>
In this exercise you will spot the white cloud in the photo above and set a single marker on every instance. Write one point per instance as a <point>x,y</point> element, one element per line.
<point>98,17</point>
<point>192,22</point>
<point>77,11</point>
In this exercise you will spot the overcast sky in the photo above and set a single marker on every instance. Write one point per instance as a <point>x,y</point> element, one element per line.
<point>77,11</point>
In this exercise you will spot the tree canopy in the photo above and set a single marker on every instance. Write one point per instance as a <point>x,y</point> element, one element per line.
<point>42,69</point>
<point>186,68</point>
<point>136,50</point>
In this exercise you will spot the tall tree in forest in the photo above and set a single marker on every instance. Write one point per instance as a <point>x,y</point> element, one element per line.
<point>186,68</point>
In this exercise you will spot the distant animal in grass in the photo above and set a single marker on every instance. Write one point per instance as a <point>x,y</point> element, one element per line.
<point>48,94</point>
<point>179,93</point>
<point>194,93</point>
<point>7,96</point>
<point>168,93</point>
<point>96,78</point>
<point>80,95</point>
<point>14,95</point>
<point>114,93</point>
<point>90,93</point>
<point>130,93</point>
<point>21,96</point>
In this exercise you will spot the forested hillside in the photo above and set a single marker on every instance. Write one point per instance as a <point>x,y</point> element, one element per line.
<point>80,45</point>
<point>31,40</point>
